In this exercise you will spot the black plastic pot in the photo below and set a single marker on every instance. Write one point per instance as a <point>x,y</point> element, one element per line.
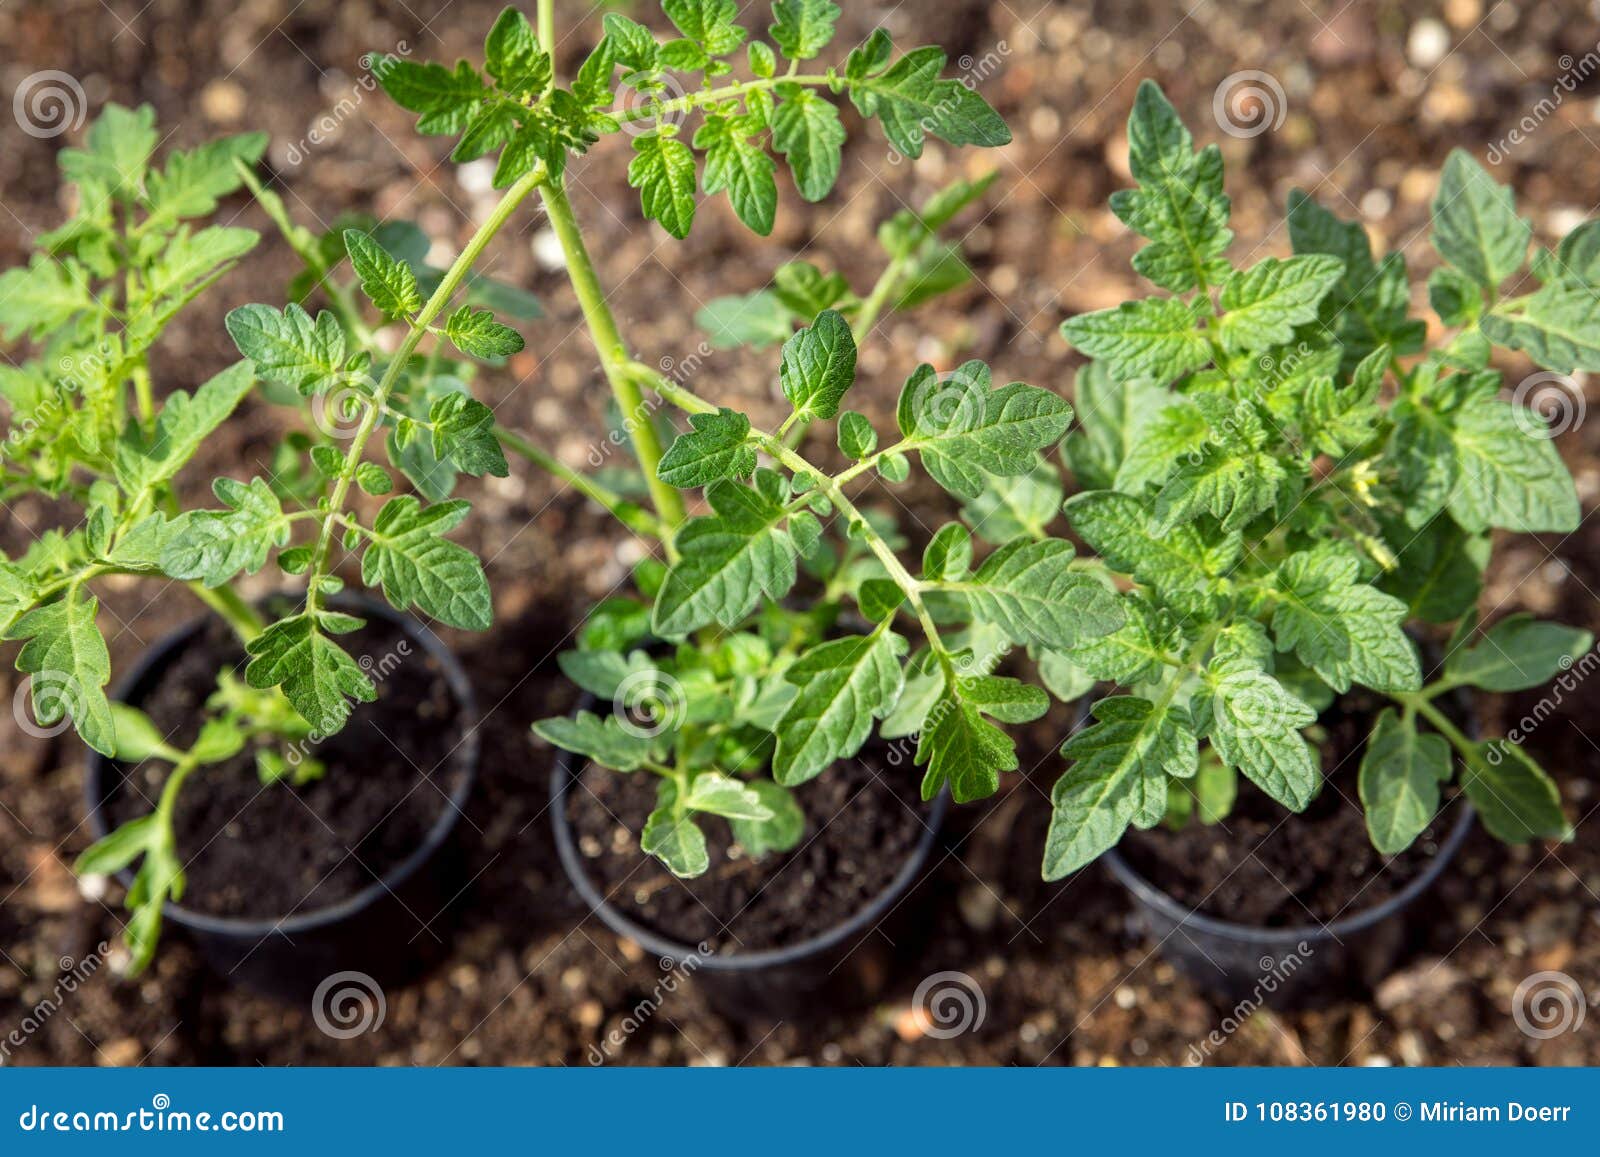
<point>378,930</point>
<point>1295,966</point>
<point>850,965</point>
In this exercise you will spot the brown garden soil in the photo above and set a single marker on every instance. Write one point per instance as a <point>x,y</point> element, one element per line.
<point>1066,976</point>
<point>388,777</point>
<point>864,819</point>
<point>1267,867</point>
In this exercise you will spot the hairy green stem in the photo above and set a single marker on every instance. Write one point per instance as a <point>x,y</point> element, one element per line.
<point>618,366</point>
<point>546,23</point>
<point>713,95</point>
<point>630,514</point>
<point>454,276</point>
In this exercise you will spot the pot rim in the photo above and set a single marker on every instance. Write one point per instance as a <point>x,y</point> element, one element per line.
<point>1151,895</point>
<point>566,771</point>
<point>465,758</point>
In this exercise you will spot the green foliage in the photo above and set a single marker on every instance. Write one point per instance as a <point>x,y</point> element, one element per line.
<point>1282,495</point>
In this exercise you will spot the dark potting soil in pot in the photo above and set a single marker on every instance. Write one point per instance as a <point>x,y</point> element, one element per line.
<point>863,821</point>
<point>269,851</point>
<point>1265,866</point>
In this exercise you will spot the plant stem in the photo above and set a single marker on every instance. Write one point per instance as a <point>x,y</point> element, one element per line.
<point>619,368</point>
<point>514,196</point>
<point>630,514</point>
<point>713,95</point>
<point>228,604</point>
<point>546,23</point>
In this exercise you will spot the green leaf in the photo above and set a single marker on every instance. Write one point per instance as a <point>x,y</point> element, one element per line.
<point>1400,776</point>
<point>1508,475</point>
<point>602,673</point>
<point>1122,531</point>
<point>1023,505</point>
<point>910,101</point>
<point>316,674</point>
<point>464,434</point>
<point>43,297</point>
<point>1515,798</point>
<point>709,23</point>
<point>117,151</point>
<point>757,319</point>
<point>966,432</point>
<point>1254,724</point>
<point>844,684</point>
<point>807,291</point>
<point>803,28</point>
<point>477,334</point>
<point>1003,698</point>
<point>407,555</point>
<point>721,795</point>
<point>512,56</point>
<point>606,741</point>
<point>1154,338</point>
<point>736,163</point>
<point>1113,414</point>
<point>1121,765</point>
<point>715,449</point>
<point>117,849</point>
<point>1180,205</point>
<point>857,438</point>
<point>949,554</point>
<point>1367,308</point>
<point>662,170</point>
<point>1342,628</point>
<point>1029,590</point>
<point>192,180</point>
<point>67,658</point>
<point>728,561</point>
<point>1518,653</point>
<point>819,365</point>
<point>674,839</point>
<point>388,283</point>
<point>215,545</point>
<point>144,461</point>
<point>191,258</point>
<point>1558,326</point>
<point>1263,305</point>
<point>963,750</point>
<point>806,130</point>
<point>289,347</point>
<point>878,598</point>
<point>1438,570</point>
<point>1475,223</point>
<point>1137,651</point>
<point>763,61</point>
<point>781,833</point>
<point>445,99</point>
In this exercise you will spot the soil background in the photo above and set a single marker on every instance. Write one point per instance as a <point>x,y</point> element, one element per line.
<point>1375,95</point>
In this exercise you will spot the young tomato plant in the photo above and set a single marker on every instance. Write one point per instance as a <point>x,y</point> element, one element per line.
<point>1282,478</point>
<point>716,676</point>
